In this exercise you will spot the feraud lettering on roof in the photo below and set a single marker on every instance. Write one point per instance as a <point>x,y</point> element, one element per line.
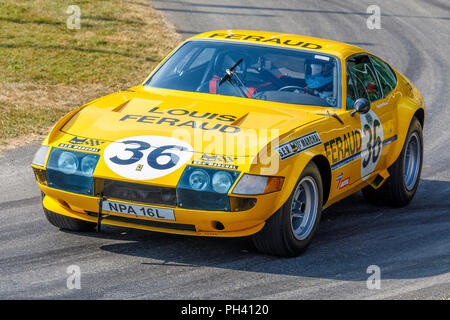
<point>268,40</point>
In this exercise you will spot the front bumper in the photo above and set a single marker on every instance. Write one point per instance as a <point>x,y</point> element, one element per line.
<point>188,222</point>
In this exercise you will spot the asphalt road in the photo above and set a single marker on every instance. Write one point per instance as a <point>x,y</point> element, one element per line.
<point>411,246</point>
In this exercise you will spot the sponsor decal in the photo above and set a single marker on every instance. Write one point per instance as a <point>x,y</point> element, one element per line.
<point>199,120</point>
<point>298,145</point>
<point>147,157</point>
<point>366,144</point>
<point>357,155</point>
<point>331,101</point>
<point>218,161</point>
<point>343,147</point>
<point>217,165</point>
<point>85,142</point>
<point>343,183</point>
<point>217,158</point>
<point>82,144</point>
<point>269,40</point>
<point>80,148</point>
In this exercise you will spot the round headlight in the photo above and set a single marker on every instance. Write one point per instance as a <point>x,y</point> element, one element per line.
<point>88,164</point>
<point>199,180</point>
<point>67,163</point>
<point>222,181</point>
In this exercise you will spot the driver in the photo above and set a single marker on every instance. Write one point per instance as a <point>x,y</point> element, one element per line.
<point>319,77</point>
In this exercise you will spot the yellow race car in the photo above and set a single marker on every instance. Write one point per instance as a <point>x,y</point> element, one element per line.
<point>237,133</point>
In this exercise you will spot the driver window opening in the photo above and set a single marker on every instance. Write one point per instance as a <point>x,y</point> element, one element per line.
<point>364,81</point>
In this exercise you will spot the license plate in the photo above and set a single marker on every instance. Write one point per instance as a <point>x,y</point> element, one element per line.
<point>137,210</point>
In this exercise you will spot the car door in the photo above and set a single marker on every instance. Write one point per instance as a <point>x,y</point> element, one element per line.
<point>376,126</point>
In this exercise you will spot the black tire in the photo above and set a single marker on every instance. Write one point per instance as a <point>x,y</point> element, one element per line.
<point>277,237</point>
<point>394,192</point>
<point>67,223</point>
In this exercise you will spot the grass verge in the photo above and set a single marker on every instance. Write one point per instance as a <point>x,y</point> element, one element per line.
<point>47,69</point>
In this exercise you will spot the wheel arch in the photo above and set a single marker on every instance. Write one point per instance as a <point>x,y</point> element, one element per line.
<point>420,115</point>
<point>406,112</point>
<point>294,170</point>
<point>325,172</point>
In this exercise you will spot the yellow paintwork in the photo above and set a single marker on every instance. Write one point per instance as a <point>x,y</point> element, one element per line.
<point>100,120</point>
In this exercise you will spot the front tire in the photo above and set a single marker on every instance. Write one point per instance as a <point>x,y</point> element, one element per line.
<point>290,230</point>
<point>67,223</point>
<point>401,186</point>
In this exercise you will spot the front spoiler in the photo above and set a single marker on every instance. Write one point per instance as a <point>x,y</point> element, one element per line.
<point>119,220</point>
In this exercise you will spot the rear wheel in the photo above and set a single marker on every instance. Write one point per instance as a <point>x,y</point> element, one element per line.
<point>400,187</point>
<point>290,230</point>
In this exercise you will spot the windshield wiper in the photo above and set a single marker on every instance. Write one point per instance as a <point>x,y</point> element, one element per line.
<point>334,115</point>
<point>228,77</point>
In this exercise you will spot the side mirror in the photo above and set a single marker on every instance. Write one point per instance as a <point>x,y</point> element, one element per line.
<point>362,105</point>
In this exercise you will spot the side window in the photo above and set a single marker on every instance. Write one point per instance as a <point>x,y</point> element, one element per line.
<point>385,75</point>
<point>366,84</point>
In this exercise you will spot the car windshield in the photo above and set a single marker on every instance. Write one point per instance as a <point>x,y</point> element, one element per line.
<point>251,71</point>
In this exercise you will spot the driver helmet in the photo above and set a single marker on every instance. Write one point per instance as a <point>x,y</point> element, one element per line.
<point>318,73</point>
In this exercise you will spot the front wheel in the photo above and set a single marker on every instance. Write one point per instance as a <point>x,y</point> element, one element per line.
<point>290,230</point>
<point>67,223</point>
<point>400,187</point>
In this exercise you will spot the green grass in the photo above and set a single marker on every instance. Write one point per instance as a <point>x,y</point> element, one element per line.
<point>43,63</point>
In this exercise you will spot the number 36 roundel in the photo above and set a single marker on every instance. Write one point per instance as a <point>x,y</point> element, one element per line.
<point>146,157</point>
<point>372,142</point>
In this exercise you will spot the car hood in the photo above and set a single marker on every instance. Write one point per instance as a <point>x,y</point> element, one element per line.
<point>202,120</point>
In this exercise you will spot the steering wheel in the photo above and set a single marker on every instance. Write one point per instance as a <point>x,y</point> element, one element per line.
<point>295,87</point>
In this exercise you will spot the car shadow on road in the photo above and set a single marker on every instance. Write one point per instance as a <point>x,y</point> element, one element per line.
<point>406,243</point>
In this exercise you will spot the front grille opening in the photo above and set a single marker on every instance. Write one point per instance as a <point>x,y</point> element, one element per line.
<point>134,192</point>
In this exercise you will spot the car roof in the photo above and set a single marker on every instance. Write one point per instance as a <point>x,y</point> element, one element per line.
<point>339,49</point>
